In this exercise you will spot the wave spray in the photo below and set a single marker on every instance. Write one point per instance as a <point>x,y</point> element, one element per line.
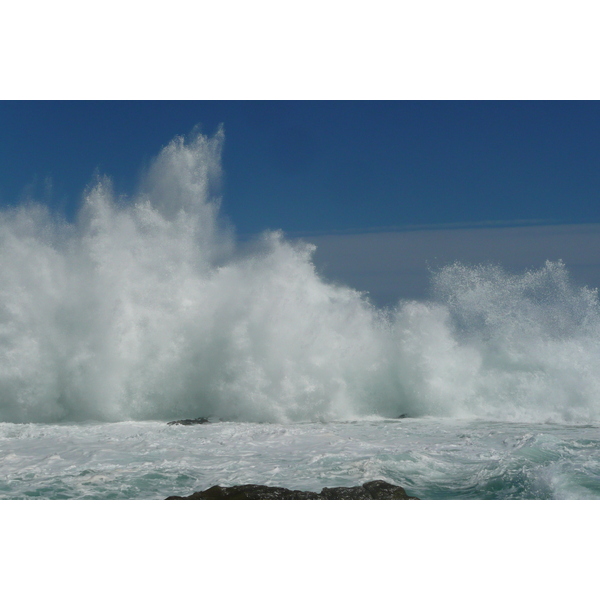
<point>144,308</point>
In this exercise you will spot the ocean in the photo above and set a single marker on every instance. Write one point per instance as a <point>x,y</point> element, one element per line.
<point>431,458</point>
<point>146,310</point>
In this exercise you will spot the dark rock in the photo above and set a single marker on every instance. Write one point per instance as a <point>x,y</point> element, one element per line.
<point>402,416</point>
<point>197,421</point>
<point>372,490</point>
<point>248,492</point>
<point>382,490</point>
<point>345,493</point>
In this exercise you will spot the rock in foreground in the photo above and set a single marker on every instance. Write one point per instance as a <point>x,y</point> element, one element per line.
<point>372,490</point>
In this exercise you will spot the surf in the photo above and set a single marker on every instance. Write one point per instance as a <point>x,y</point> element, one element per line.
<point>146,307</point>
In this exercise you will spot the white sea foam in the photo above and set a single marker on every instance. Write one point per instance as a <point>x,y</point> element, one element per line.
<point>144,308</point>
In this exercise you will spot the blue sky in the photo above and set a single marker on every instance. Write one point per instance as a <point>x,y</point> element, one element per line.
<point>342,173</point>
<point>325,166</point>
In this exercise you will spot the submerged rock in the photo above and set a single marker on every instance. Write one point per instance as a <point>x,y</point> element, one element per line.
<point>372,490</point>
<point>197,421</point>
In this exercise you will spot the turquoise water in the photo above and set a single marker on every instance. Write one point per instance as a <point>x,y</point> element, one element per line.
<point>431,458</point>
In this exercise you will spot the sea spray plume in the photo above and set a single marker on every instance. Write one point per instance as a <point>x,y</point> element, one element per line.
<point>83,306</point>
<point>536,338</point>
<point>141,310</point>
<point>428,370</point>
<point>144,309</point>
<point>183,183</point>
<point>294,347</point>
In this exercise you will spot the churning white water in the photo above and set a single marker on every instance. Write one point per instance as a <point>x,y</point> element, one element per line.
<point>432,458</point>
<point>146,309</point>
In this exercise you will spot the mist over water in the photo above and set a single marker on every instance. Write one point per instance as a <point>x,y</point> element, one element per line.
<point>145,308</point>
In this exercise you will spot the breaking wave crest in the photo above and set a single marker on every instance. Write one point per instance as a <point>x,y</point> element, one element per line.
<point>144,308</point>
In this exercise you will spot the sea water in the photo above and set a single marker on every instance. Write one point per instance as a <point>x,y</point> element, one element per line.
<point>431,458</point>
<point>145,309</point>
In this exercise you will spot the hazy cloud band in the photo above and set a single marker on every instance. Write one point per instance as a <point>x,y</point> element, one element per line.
<point>395,264</point>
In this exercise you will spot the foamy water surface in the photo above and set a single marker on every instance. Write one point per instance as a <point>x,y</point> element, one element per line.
<point>430,458</point>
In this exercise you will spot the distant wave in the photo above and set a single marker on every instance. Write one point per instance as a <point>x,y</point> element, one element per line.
<point>145,309</point>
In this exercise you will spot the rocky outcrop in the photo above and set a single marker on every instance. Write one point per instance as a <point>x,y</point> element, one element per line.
<point>197,421</point>
<point>372,490</point>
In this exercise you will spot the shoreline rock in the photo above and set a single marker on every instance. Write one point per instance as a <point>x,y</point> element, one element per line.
<point>197,421</point>
<point>372,490</point>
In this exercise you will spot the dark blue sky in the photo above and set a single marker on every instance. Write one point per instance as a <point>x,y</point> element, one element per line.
<point>327,166</point>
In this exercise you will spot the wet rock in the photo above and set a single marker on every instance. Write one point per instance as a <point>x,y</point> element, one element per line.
<point>372,490</point>
<point>382,490</point>
<point>197,421</point>
<point>345,493</point>
<point>248,492</point>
